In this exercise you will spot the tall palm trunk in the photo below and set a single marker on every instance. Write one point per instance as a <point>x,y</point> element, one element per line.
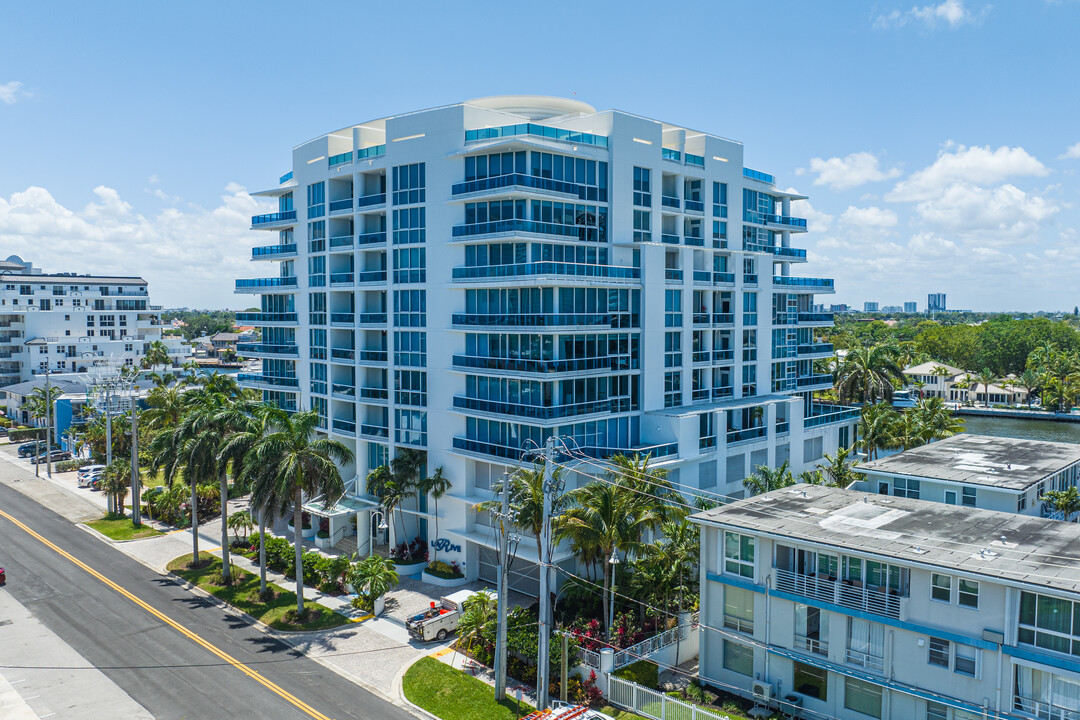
<point>262,552</point>
<point>194,523</point>
<point>225,561</point>
<point>298,529</point>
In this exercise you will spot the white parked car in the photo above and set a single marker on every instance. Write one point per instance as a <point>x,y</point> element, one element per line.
<point>88,474</point>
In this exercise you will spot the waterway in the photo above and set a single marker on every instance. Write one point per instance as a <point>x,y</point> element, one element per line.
<point>1025,429</point>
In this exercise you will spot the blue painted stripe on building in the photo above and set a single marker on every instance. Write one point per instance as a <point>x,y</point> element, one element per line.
<point>901,624</point>
<point>1032,654</point>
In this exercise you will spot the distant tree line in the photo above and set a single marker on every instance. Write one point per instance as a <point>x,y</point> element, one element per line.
<point>203,322</point>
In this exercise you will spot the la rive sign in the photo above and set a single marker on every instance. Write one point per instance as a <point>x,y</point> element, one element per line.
<point>444,545</point>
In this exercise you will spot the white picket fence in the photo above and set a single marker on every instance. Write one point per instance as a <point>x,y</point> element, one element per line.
<point>656,705</point>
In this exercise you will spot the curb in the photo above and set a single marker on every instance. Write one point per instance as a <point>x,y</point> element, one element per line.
<point>397,686</point>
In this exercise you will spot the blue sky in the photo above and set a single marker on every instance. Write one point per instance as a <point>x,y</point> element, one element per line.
<point>932,138</point>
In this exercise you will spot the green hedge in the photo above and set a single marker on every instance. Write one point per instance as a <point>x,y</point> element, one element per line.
<point>69,465</point>
<point>5,422</point>
<point>18,436</point>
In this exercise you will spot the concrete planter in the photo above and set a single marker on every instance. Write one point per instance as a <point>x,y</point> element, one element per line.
<point>443,582</point>
<point>324,543</point>
<point>305,533</point>
<point>410,570</point>
<point>380,605</point>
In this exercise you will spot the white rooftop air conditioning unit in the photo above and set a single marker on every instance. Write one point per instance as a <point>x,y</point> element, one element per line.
<point>762,691</point>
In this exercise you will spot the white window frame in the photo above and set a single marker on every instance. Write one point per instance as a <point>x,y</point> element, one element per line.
<point>933,587</point>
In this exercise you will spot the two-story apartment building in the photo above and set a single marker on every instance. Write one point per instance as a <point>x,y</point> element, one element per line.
<point>470,280</point>
<point>994,473</point>
<point>859,605</point>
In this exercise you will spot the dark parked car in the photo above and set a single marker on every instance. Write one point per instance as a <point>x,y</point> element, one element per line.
<point>57,456</point>
<point>34,447</point>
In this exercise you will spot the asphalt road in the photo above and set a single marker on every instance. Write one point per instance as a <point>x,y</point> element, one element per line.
<point>159,667</point>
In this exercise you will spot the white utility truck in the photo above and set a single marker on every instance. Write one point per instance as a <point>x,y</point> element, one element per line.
<point>440,619</point>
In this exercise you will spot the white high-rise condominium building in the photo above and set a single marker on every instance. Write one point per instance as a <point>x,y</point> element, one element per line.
<point>63,321</point>
<point>472,279</point>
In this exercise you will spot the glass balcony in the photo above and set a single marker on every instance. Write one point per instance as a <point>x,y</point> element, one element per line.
<point>511,452</point>
<point>529,182</point>
<point>345,426</point>
<point>533,412</point>
<point>552,133</point>
<point>504,227</point>
<point>339,205</point>
<point>778,251</point>
<point>783,428</point>
<point>374,393</point>
<point>285,178</point>
<point>536,320</point>
<point>749,279</point>
<point>266,349</point>
<point>702,318</point>
<point>371,238</point>
<point>758,175</point>
<point>670,201</point>
<point>371,152</point>
<point>258,318</point>
<point>702,276</point>
<point>342,318</point>
<point>783,221</point>
<point>345,278</point>
<point>698,160</point>
<point>822,283</point>
<point>343,390</point>
<point>828,414</point>
<point>670,239</point>
<point>538,366</point>
<point>276,282</point>
<point>271,251</point>
<point>673,275</point>
<point>815,349</point>
<point>616,272</point>
<point>700,394</point>
<point>371,276</point>
<point>695,206</point>
<point>271,218</point>
<point>816,317</point>
<point>375,431</point>
<point>735,436</point>
<point>694,241</point>
<point>723,319</point>
<point>722,356</point>
<point>815,380</point>
<point>371,200</point>
<point>339,160</point>
<point>371,318</point>
<point>342,353</point>
<point>341,242</point>
<point>372,356</point>
<point>251,378</point>
<point>723,278</point>
<point>669,154</point>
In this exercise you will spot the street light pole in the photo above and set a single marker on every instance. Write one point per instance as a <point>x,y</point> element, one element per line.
<point>544,668</point>
<point>614,562</point>
<point>136,484</point>
<point>48,421</point>
<point>500,608</point>
<point>108,439</point>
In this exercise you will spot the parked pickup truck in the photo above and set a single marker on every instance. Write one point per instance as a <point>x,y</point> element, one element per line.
<point>440,619</point>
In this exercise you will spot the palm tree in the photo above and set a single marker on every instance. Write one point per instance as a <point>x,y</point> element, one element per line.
<point>392,489</point>
<point>985,377</point>
<point>918,385</point>
<point>937,419</point>
<point>157,353</point>
<point>240,522</point>
<point>606,517</point>
<point>649,483</point>
<point>1066,501</point>
<point>838,467</point>
<point>908,431</point>
<point>527,500</point>
<point>116,480</point>
<point>867,373</point>
<point>477,619</point>
<point>812,477</point>
<point>38,404</point>
<point>1030,381</point>
<point>372,577</point>
<point>176,453</point>
<point>299,463</point>
<point>875,428</point>
<point>435,486</point>
<point>165,406</point>
<point>765,479</point>
<point>406,468</point>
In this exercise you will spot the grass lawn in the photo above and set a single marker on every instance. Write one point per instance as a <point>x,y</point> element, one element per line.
<point>642,672</point>
<point>120,527</point>
<point>451,694</point>
<point>243,594</point>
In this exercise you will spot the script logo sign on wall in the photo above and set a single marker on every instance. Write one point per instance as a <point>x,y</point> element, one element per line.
<point>444,545</point>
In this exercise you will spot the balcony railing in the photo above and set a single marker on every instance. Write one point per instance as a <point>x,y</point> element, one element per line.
<point>815,349</point>
<point>339,159</point>
<point>371,276</point>
<point>343,390</point>
<point>267,380</point>
<point>287,216</point>
<point>524,181</point>
<point>1042,710</point>
<point>669,201</point>
<point>694,206</point>
<point>267,349</point>
<point>758,175</point>
<point>816,317</point>
<point>618,272</point>
<point>739,624</point>
<point>534,412</point>
<point>373,356</point>
<point>343,353</point>
<point>670,154</point>
<point>338,205</point>
<point>285,178</point>
<point>669,239</point>
<point>373,151</point>
<point>758,218</point>
<point>786,281</point>
<point>544,131</point>
<point>828,414</point>
<point>341,241</point>
<point>735,436</point>
<point>342,318</point>
<point>723,319</point>
<point>345,426</point>
<point>370,200</point>
<point>253,283</point>
<point>723,278</point>
<point>374,393</point>
<point>866,660</point>
<point>373,238</point>
<point>499,227</point>
<point>812,380</point>
<point>540,320</point>
<point>749,279</point>
<point>777,250</point>
<point>371,318</point>
<point>698,160</point>
<point>272,251</point>
<point>378,431</point>
<point>542,366</point>
<point>847,594</point>
<point>255,318</point>
<point>813,645</point>
<point>510,452</point>
<point>723,356</point>
<point>341,278</point>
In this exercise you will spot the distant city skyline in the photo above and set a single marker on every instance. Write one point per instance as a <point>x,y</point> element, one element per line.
<point>128,150</point>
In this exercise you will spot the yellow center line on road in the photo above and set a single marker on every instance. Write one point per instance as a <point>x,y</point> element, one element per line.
<point>254,675</point>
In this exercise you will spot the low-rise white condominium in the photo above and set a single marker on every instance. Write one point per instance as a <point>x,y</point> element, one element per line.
<point>63,321</point>
<point>470,280</point>
<point>853,605</point>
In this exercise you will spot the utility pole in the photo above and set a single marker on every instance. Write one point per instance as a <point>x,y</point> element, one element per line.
<point>108,439</point>
<point>500,635</point>
<point>563,674</point>
<point>136,485</point>
<point>48,422</point>
<point>544,668</point>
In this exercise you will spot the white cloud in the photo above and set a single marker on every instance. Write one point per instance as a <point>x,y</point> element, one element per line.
<point>986,215</point>
<point>851,171</point>
<point>189,257</point>
<point>958,163</point>
<point>12,92</point>
<point>816,221</point>
<point>868,218</point>
<point>1072,153</point>
<point>951,13</point>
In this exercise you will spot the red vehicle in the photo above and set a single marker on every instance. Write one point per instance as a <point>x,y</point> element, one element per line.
<point>3,577</point>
